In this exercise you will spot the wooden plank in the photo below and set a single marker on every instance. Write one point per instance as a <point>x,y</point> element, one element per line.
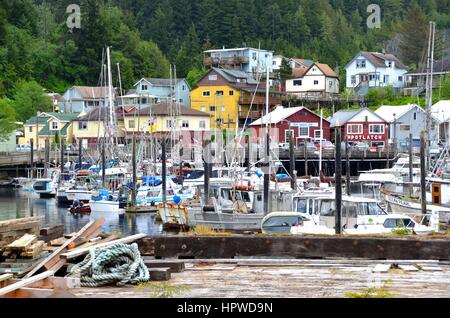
<point>47,231</point>
<point>376,248</point>
<point>174,266</point>
<point>25,282</point>
<point>5,279</point>
<point>82,251</point>
<point>159,274</point>
<point>382,268</point>
<point>27,292</point>
<point>54,259</point>
<point>408,268</point>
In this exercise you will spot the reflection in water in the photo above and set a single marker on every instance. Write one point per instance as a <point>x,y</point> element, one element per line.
<point>16,204</point>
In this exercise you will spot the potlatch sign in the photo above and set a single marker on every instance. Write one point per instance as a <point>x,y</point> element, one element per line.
<point>366,137</point>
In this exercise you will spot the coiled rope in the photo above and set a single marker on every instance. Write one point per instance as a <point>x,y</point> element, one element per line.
<point>119,264</point>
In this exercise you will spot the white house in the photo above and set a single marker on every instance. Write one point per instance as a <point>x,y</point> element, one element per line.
<point>372,70</point>
<point>319,80</point>
<point>441,110</point>
<point>404,120</point>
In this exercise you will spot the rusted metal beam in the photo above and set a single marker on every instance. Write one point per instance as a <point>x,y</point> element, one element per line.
<point>228,247</point>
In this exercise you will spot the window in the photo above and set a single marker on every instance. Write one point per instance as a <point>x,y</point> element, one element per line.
<point>304,131</point>
<point>183,87</point>
<point>82,125</point>
<point>203,108</point>
<point>354,129</point>
<point>389,64</point>
<point>180,100</point>
<point>144,87</point>
<point>415,116</point>
<point>185,124</point>
<point>55,125</point>
<point>371,77</point>
<point>254,56</point>
<point>378,144</point>
<point>316,82</point>
<point>386,79</point>
<point>314,69</point>
<point>287,135</point>
<point>202,124</point>
<point>400,78</point>
<point>206,93</point>
<point>353,79</point>
<point>361,64</point>
<point>144,101</point>
<point>222,108</point>
<point>376,129</point>
<point>298,83</point>
<point>330,84</point>
<point>170,124</point>
<point>405,127</point>
<point>30,129</point>
<point>231,93</point>
<point>212,108</point>
<point>132,124</point>
<point>219,93</point>
<point>317,134</point>
<point>213,77</point>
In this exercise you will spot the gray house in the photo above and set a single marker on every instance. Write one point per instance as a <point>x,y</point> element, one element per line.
<point>407,119</point>
<point>79,99</point>
<point>163,90</point>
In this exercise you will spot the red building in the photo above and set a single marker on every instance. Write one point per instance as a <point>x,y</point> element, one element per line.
<point>304,123</point>
<point>361,125</point>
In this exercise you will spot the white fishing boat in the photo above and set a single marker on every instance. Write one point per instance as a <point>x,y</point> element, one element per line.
<point>47,187</point>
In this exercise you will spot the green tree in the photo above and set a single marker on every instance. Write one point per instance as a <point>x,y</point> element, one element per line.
<point>194,76</point>
<point>28,99</point>
<point>7,119</point>
<point>285,70</point>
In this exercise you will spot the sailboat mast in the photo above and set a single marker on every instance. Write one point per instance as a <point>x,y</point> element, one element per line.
<point>267,155</point>
<point>110,96</point>
<point>429,90</point>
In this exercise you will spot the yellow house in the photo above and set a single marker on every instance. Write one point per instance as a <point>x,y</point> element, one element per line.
<point>92,126</point>
<point>49,126</point>
<point>159,119</point>
<point>227,95</point>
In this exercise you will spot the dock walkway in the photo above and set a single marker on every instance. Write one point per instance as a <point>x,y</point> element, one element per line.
<point>289,278</point>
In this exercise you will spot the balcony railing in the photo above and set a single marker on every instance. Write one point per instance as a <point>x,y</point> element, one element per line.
<point>209,61</point>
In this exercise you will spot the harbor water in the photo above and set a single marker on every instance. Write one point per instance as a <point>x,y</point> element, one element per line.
<point>16,204</point>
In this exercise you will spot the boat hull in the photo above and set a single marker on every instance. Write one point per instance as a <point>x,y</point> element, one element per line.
<point>105,206</point>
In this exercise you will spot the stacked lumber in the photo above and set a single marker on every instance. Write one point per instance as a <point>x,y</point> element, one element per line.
<point>23,245</point>
<point>12,229</point>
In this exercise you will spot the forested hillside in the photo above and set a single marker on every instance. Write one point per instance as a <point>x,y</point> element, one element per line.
<point>146,36</point>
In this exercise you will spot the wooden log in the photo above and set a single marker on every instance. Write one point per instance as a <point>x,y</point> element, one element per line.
<point>24,283</point>
<point>299,247</point>
<point>174,266</point>
<point>54,261</point>
<point>46,231</point>
<point>159,274</point>
<point>22,244</point>
<point>82,251</point>
<point>34,251</point>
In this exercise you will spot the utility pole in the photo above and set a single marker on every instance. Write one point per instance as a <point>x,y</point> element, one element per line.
<point>338,191</point>
<point>423,172</point>
<point>133,191</point>
<point>347,170</point>
<point>164,171</point>
<point>292,161</point>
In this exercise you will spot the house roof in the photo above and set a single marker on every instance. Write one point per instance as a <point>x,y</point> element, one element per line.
<point>44,117</point>
<point>163,109</point>
<point>343,116</point>
<point>232,76</point>
<point>391,113</point>
<point>100,114</point>
<point>161,81</point>
<point>326,69</point>
<point>46,132</point>
<point>235,49</point>
<point>304,62</point>
<point>91,92</point>
<point>279,114</point>
<point>379,59</point>
<point>441,110</point>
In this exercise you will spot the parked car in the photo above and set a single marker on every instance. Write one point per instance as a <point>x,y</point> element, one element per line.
<point>309,146</point>
<point>324,144</point>
<point>23,148</point>
<point>283,146</point>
